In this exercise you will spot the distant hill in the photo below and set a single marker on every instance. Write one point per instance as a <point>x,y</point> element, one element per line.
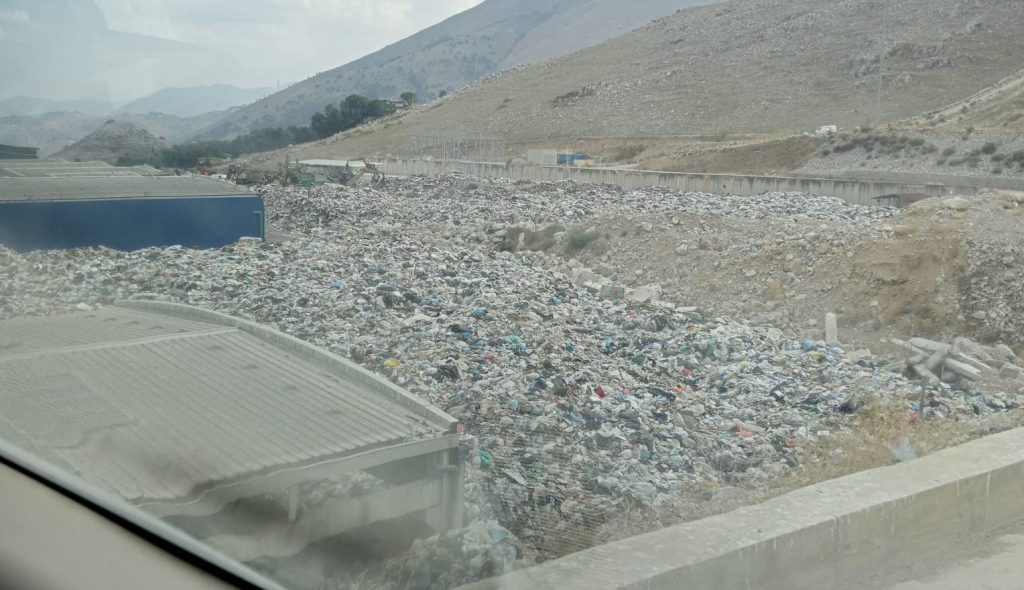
<point>492,36</point>
<point>194,100</point>
<point>54,131</point>
<point>32,106</point>
<point>115,141</point>
<point>752,66</point>
<point>50,132</point>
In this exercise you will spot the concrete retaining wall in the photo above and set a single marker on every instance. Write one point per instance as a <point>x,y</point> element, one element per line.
<point>823,537</point>
<point>854,191</point>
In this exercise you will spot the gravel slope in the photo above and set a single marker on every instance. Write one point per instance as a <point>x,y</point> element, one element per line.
<point>741,66</point>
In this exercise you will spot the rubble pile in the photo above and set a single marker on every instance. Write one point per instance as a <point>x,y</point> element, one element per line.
<point>582,401</point>
<point>994,255</point>
<point>961,362</point>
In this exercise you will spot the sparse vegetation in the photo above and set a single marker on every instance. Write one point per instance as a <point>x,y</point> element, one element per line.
<point>542,240</point>
<point>989,148</point>
<point>409,98</point>
<point>949,151</point>
<point>628,152</point>
<point>577,240</point>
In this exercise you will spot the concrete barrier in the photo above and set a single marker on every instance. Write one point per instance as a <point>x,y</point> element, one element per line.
<point>859,192</point>
<point>823,537</point>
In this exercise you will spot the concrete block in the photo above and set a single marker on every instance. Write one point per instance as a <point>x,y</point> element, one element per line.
<point>1010,372</point>
<point>934,362</point>
<point>963,358</point>
<point>971,349</point>
<point>925,375</point>
<point>644,294</point>
<point>929,345</point>
<point>831,329</point>
<point>1006,353</point>
<point>612,292</point>
<point>963,369</point>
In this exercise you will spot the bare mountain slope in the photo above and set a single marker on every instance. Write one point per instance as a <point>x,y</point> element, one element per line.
<point>742,66</point>
<point>474,44</point>
<point>1000,107</point>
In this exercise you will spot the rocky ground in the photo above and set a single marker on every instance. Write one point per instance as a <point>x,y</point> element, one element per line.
<point>618,357</point>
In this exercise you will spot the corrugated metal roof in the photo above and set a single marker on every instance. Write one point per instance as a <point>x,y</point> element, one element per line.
<point>153,407</point>
<point>59,168</point>
<point>14,167</point>
<point>70,188</point>
<point>334,163</point>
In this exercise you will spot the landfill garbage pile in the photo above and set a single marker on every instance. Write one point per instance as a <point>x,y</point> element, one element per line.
<point>474,205</point>
<point>482,549</point>
<point>580,406</point>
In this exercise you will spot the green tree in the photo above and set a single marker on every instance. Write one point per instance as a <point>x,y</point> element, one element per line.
<point>356,103</point>
<point>380,108</point>
<point>409,98</point>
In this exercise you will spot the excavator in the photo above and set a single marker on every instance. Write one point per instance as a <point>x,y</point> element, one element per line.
<point>350,177</point>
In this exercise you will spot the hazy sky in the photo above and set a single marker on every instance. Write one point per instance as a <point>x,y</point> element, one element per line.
<point>280,40</point>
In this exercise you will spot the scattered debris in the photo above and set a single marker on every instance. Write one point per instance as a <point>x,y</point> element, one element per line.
<point>584,398</point>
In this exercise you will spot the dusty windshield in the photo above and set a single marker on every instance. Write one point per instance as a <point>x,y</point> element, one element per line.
<point>509,293</point>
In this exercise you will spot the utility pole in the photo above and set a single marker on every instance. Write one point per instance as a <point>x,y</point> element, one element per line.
<point>881,61</point>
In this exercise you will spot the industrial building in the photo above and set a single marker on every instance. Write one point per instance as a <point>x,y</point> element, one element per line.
<point>13,152</point>
<point>55,205</point>
<point>189,414</point>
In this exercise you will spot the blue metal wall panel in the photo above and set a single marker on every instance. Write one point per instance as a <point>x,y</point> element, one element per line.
<point>130,223</point>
